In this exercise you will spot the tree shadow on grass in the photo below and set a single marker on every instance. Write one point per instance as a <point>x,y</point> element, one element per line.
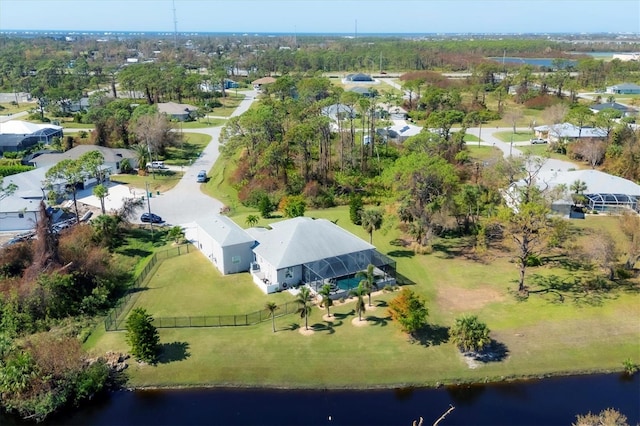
<point>134,252</point>
<point>174,351</point>
<point>582,290</point>
<point>342,316</point>
<point>381,321</point>
<point>401,253</point>
<point>493,352</point>
<point>567,262</point>
<point>292,327</point>
<point>403,280</point>
<point>327,326</point>
<point>432,335</point>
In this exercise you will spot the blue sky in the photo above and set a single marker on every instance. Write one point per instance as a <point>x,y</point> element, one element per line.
<point>327,16</point>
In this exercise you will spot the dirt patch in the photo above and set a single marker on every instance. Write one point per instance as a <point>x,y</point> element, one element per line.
<point>356,321</point>
<point>462,299</point>
<point>305,332</point>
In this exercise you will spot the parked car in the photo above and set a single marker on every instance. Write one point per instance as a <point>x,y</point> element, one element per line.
<point>156,165</point>
<point>202,176</point>
<point>537,141</point>
<point>150,217</point>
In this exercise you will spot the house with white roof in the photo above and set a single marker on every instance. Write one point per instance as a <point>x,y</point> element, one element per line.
<point>604,192</point>
<point>176,111</point>
<point>290,253</point>
<point>568,132</point>
<point>224,243</point>
<point>313,252</point>
<point>18,135</point>
<point>19,214</point>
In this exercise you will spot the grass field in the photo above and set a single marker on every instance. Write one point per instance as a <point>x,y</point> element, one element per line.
<point>588,331</point>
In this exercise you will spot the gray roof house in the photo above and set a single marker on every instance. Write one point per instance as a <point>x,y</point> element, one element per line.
<point>623,109</point>
<point>290,253</point>
<point>112,156</point>
<point>556,132</point>
<point>624,89</point>
<point>312,252</point>
<point>19,214</point>
<point>223,242</point>
<point>180,112</point>
<point>336,111</point>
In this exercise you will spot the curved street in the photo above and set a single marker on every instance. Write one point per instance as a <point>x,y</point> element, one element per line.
<point>186,202</point>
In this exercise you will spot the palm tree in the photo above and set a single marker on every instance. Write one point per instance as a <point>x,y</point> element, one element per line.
<point>142,155</point>
<point>469,334</point>
<point>368,281</point>
<point>252,220</point>
<point>101,192</point>
<point>371,221</point>
<point>272,307</point>
<point>361,307</point>
<point>327,301</point>
<point>304,300</point>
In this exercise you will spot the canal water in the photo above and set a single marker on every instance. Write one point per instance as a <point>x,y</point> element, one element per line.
<point>553,401</point>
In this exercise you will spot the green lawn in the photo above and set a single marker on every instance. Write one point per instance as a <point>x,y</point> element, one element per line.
<point>161,180</point>
<point>517,137</point>
<point>588,331</point>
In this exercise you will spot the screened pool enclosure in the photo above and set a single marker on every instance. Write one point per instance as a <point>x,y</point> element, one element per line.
<point>343,268</point>
<point>611,202</point>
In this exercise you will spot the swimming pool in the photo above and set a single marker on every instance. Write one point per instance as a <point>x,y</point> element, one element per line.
<point>347,284</point>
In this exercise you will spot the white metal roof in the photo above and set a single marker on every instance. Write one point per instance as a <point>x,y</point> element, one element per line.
<point>300,240</point>
<point>225,231</point>
<point>596,181</point>
<point>19,127</point>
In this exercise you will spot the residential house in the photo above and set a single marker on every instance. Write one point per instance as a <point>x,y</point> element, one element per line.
<point>113,157</point>
<point>312,252</point>
<point>17,135</point>
<point>18,214</point>
<point>176,111</point>
<point>625,110</point>
<point>290,253</point>
<point>224,243</point>
<point>624,89</point>
<point>339,112</point>
<point>257,84</point>
<point>604,192</point>
<point>568,132</point>
<point>358,78</point>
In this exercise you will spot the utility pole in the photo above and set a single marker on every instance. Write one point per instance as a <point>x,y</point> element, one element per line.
<point>146,186</point>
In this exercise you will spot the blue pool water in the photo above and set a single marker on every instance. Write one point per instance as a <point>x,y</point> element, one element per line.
<point>348,283</point>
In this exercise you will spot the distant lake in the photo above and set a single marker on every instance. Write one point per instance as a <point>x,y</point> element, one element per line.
<point>536,62</point>
<point>553,401</point>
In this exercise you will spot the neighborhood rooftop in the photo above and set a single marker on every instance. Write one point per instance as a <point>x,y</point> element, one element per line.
<point>300,240</point>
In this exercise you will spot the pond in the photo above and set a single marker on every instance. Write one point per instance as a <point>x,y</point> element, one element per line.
<point>549,401</point>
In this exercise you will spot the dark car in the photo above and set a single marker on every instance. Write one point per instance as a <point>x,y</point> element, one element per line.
<point>150,217</point>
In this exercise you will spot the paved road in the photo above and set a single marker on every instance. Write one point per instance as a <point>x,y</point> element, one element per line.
<point>186,202</point>
<point>489,139</point>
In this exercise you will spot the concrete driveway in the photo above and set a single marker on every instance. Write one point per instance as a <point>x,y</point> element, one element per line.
<point>185,202</point>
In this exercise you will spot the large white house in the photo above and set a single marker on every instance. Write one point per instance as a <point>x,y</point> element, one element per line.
<point>290,253</point>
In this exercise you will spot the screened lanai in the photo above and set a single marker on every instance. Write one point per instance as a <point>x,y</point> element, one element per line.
<point>611,202</point>
<point>339,271</point>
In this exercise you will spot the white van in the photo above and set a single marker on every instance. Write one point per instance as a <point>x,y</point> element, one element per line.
<point>156,165</point>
